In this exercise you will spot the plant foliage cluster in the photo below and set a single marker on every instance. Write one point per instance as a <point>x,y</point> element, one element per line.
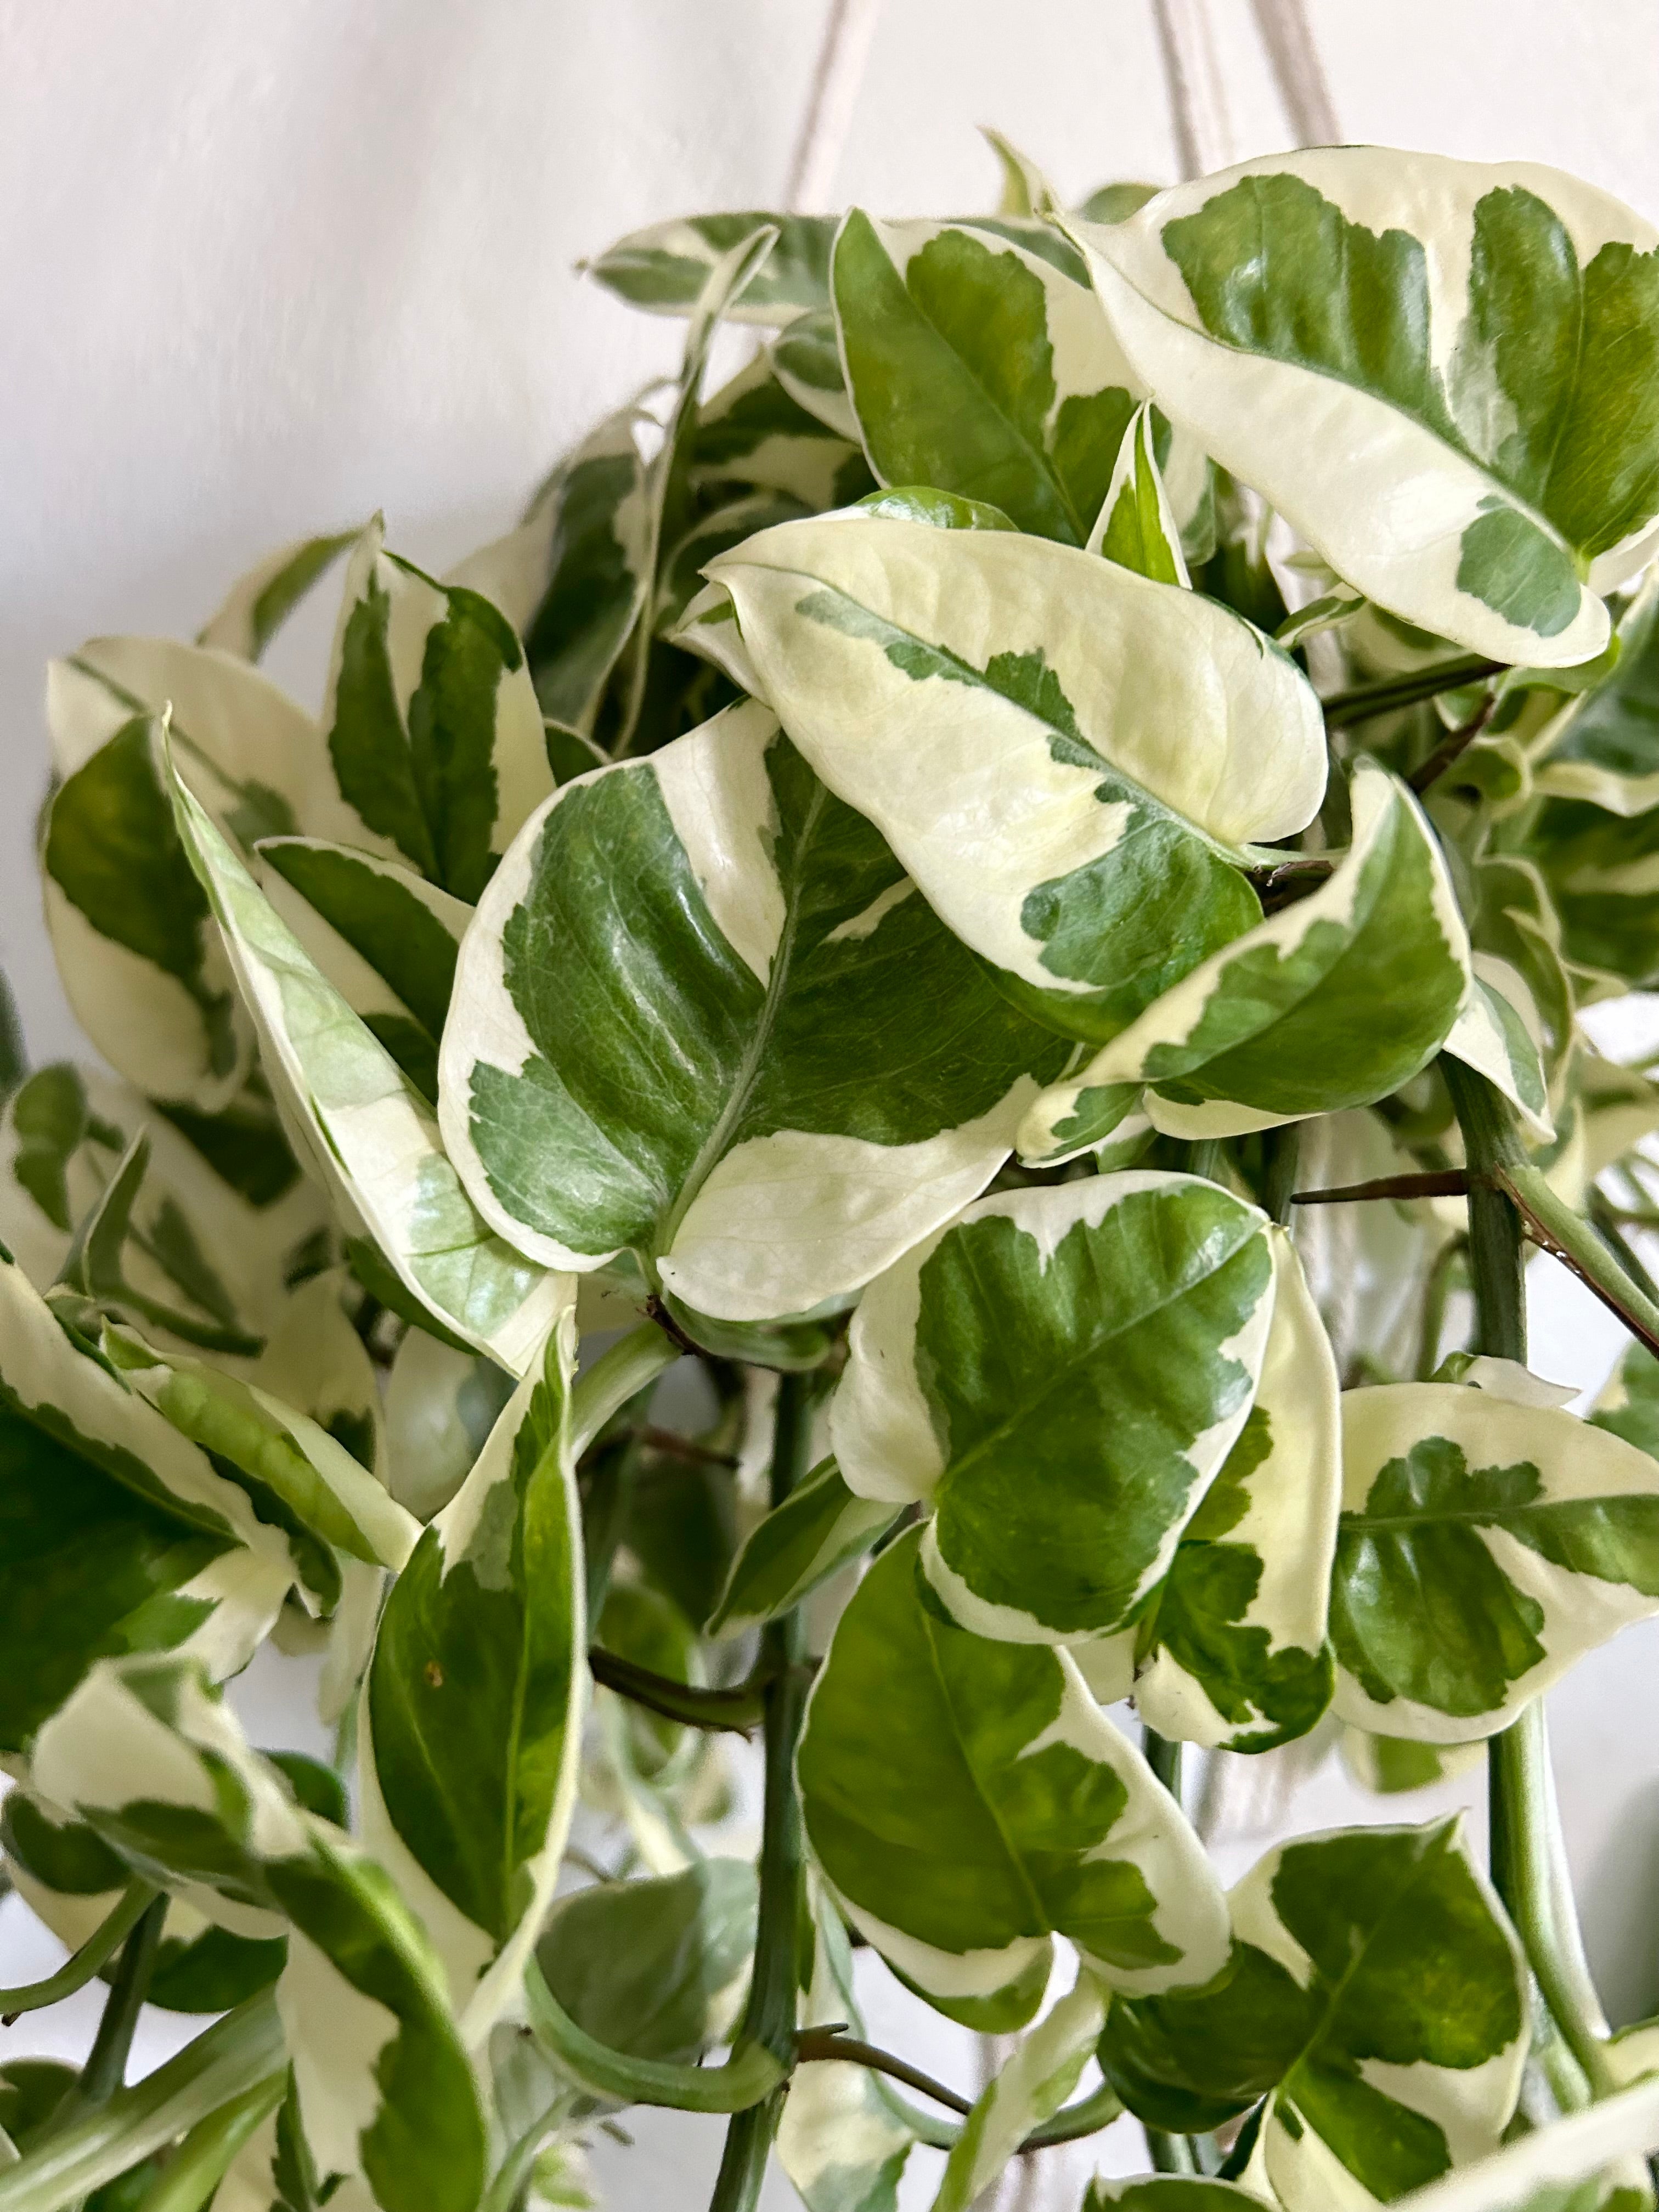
<point>886,887</point>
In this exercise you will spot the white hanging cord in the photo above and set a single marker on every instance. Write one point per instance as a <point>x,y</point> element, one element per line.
<point>1303,85</point>
<point>847,32</point>
<point>1198,96</point>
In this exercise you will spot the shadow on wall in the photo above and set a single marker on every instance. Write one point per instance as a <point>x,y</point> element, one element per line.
<point>1620,1907</point>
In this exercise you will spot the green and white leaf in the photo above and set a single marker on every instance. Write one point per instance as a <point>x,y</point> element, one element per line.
<point>1228,1650</point>
<point>754,431</point>
<point>160,1768</point>
<point>840,2140</point>
<point>1628,1405</point>
<point>1500,1033</point>
<point>968,1800</point>
<point>974,363</point>
<point>1136,526</point>
<point>572,578</point>
<point>470,1728</point>
<point>371,1136</point>
<point>656,1968</point>
<point>1375,1995</point>
<point>1030,2088</point>
<point>385,938</point>
<point>1415,361</point>
<point>120,1534</point>
<point>1060,1373</point>
<point>1603,746</point>
<point>1547,2169</point>
<point>1484,1547</point>
<point>713,532</point>
<point>442,1403</point>
<point>822,1526</point>
<point>805,358</point>
<point>822,1075</point>
<point>663,268</point>
<point>1332,1003</point>
<point>1169,2193</point>
<point>1032,792</point>
<point>1602,870</point>
<point>259,603</point>
<point>434,727</point>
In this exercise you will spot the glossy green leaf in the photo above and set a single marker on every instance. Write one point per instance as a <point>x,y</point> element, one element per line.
<point>656,1968</point>
<point>841,2140</point>
<point>1060,1373</point>
<point>160,1768</point>
<point>1374,1996</point>
<point>572,578</point>
<point>471,1724</point>
<point>120,1536</point>
<point>1335,325</point>
<point>822,1075</point>
<point>820,1527</point>
<point>434,728</point>
<point>1484,1547</point>
<point>663,268</point>
<point>974,364</point>
<point>259,603</point>
<point>1228,1650</point>
<point>373,1138</point>
<point>384,938</point>
<point>1000,710</point>
<point>1332,1002</point>
<point>968,1800</point>
<point>1136,526</point>
<point>1028,2088</point>
<point>1602,869</point>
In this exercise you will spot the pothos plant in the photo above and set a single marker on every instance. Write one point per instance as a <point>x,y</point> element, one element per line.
<point>888,887</point>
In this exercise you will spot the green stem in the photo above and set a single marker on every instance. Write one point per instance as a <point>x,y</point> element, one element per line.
<point>1071,2124</point>
<point>1169,2154</point>
<point>1205,1158</point>
<point>749,2074</point>
<point>78,1969</point>
<point>1164,1757</point>
<point>106,2062</point>
<point>507,2189</point>
<point>1282,1149</point>
<point>244,2048</point>
<point>739,1709</point>
<point>632,1362</point>
<point>1524,1845</point>
<point>824,2042</point>
<point>769,2018</point>
<point>1572,1239</point>
<point>1365,700</point>
<point>1610,1227</point>
<point>202,2159</point>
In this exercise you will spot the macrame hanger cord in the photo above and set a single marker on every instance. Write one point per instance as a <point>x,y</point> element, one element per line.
<point>1198,97</point>
<point>1293,57</point>
<point>849,30</point>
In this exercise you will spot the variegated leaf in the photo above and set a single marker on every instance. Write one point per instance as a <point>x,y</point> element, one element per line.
<point>441,1402</point>
<point>259,603</point>
<point>1001,708</point>
<point>160,1768</point>
<point>1628,1405</point>
<point>384,938</point>
<point>974,364</point>
<point>1602,870</point>
<point>1498,1033</point>
<point>120,1534</point>
<point>1136,526</point>
<point>807,361</point>
<point>1030,2088</point>
<point>434,728</point>
<point>1060,1373</point>
<point>1336,325</point>
<point>840,1079</point>
<point>714,532</point>
<point>1603,746</point>
<point>820,1527</point>
<point>1332,1003</point>
<point>1228,1650</point>
<point>664,269</point>
<point>372,1136</point>
<point>841,2140</point>
<point>572,578</point>
<point>754,431</point>
<point>1374,1996</point>
<point>968,1800</point>
<point>217,1257</point>
<point>471,1724</point>
<point>1169,2193</point>
<point>1484,1547</point>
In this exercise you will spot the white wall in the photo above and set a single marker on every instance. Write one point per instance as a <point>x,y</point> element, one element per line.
<point>267,268</point>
